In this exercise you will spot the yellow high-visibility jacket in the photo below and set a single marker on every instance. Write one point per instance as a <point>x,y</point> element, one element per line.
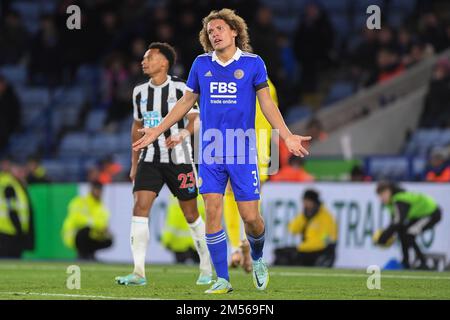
<point>20,204</point>
<point>318,233</point>
<point>263,135</point>
<point>84,211</point>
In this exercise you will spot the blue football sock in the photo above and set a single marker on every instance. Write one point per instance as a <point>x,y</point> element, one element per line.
<point>256,245</point>
<point>217,246</point>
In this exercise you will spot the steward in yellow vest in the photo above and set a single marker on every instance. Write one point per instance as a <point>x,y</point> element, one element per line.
<point>318,231</point>
<point>16,225</point>
<point>86,225</point>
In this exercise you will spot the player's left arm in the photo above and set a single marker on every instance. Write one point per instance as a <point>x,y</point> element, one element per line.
<point>273,115</point>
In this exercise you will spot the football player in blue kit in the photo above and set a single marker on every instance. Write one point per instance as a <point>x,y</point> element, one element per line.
<point>227,78</point>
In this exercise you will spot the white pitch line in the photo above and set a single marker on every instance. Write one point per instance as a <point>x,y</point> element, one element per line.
<point>73,295</point>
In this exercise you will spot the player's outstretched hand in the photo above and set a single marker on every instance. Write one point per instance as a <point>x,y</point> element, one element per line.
<point>294,145</point>
<point>176,139</point>
<point>150,135</point>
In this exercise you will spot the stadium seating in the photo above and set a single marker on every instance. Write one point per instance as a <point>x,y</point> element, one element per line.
<point>338,91</point>
<point>23,145</point>
<point>424,140</point>
<point>296,113</point>
<point>95,120</point>
<point>14,74</point>
<point>101,145</point>
<point>31,11</point>
<point>35,97</point>
<point>74,144</point>
<point>64,170</point>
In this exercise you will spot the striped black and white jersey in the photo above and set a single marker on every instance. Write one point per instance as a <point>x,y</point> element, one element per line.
<point>162,98</point>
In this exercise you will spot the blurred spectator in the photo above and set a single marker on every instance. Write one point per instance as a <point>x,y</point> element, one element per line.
<point>116,89</point>
<point>438,169</point>
<point>363,57</point>
<point>109,33</point>
<point>138,48</point>
<point>114,74</point>
<point>314,128</point>
<point>109,171</point>
<point>186,42</point>
<point>16,216</point>
<point>160,15</point>
<point>8,164</point>
<point>419,51</point>
<point>288,72</point>
<point>318,231</point>
<point>264,41</point>
<point>447,34</point>
<point>436,111</point>
<point>78,46</point>
<point>293,172</point>
<point>431,31</point>
<point>92,174</point>
<point>404,41</point>
<point>313,43</point>
<point>13,39</point>
<point>46,54</point>
<point>36,173</point>
<point>386,38</point>
<point>132,10</point>
<point>11,115</point>
<point>388,66</point>
<point>85,228</point>
<point>357,174</point>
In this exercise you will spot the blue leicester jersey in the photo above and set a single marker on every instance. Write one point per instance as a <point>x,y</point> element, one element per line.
<point>227,101</point>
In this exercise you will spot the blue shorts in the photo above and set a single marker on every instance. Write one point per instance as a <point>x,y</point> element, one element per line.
<point>244,180</point>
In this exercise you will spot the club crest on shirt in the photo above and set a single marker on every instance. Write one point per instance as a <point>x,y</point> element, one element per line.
<point>239,73</point>
<point>199,182</point>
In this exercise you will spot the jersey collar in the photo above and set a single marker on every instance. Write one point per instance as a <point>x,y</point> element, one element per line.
<point>236,57</point>
<point>161,85</point>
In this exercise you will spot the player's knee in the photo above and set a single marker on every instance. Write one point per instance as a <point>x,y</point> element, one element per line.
<point>252,219</point>
<point>191,215</point>
<point>141,209</point>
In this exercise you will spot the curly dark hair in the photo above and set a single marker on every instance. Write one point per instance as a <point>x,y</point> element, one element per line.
<point>235,22</point>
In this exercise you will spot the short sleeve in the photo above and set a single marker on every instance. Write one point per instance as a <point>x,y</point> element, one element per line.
<point>181,86</point>
<point>137,115</point>
<point>260,79</point>
<point>192,81</point>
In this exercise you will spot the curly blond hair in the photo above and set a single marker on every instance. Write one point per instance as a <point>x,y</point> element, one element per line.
<point>235,22</point>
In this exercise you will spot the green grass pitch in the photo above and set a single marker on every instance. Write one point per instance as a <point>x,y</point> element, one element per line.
<point>47,280</point>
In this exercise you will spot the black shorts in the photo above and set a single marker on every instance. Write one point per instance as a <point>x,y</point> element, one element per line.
<point>180,179</point>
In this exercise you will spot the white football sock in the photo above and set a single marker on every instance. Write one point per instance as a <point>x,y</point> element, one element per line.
<point>197,229</point>
<point>139,240</point>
